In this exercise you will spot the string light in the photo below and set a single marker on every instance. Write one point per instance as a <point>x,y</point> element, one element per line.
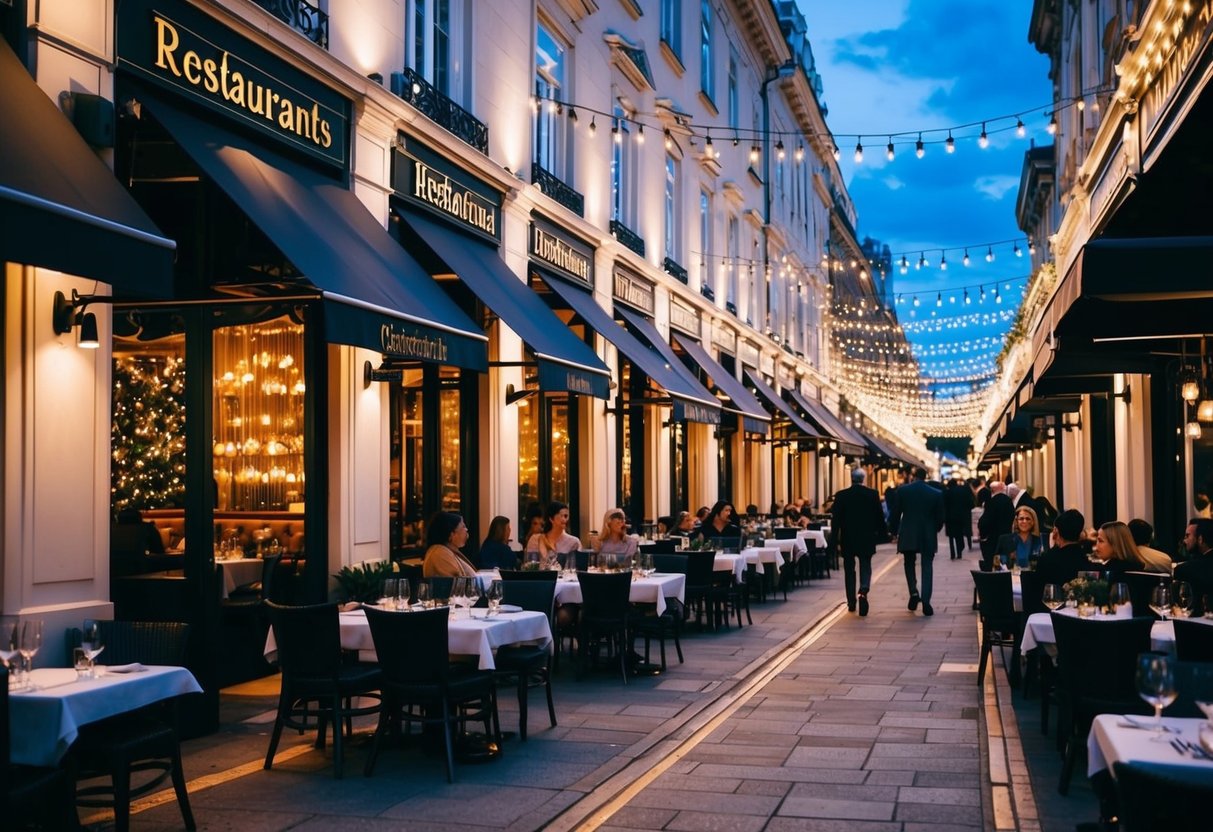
<point>573,116</point>
<point>669,139</point>
<point>919,150</point>
<point>779,152</point>
<point>799,153</point>
<point>754,154</point>
<point>837,153</point>
<point>858,153</point>
<point>1020,130</point>
<point>943,262</point>
<point>615,134</point>
<point>965,261</point>
<point>1017,251</point>
<point>889,152</point>
<point>950,144</point>
<point>640,134</point>
<point>593,126</point>
<point>990,255</point>
<point>1051,127</point>
<point>983,141</point>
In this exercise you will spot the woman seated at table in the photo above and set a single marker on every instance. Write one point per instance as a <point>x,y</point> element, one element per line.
<point>445,535</point>
<point>683,525</point>
<point>1023,543</point>
<point>720,522</point>
<point>495,552</point>
<point>1116,551</point>
<point>615,539</point>
<point>554,540</point>
<point>793,517</point>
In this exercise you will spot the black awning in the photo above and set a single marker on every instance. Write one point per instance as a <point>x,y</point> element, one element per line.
<point>566,363</point>
<point>829,424</point>
<point>649,335</point>
<point>690,403</point>
<point>883,448</point>
<point>754,417</point>
<point>377,296</point>
<point>776,401</point>
<point>60,207</point>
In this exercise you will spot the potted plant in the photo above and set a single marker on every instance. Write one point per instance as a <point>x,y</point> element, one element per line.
<point>363,582</point>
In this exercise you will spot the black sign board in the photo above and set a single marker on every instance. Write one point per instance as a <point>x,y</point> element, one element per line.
<point>181,48</point>
<point>560,253</point>
<point>424,179</point>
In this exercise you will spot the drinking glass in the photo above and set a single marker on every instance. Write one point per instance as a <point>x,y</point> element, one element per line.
<point>403,592</point>
<point>1160,600</point>
<point>31,642</point>
<point>1182,600</point>
<point>92,641</point>
<point>423,595</point>
<point>1053,597</point>
<point>1118,596</point>
<point>494,595</point>
<point>1156,685</point>
<point>10,646</point>
<point>387,596</point>
<point>471,594</point>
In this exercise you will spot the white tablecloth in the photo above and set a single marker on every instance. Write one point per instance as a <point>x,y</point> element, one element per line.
<point>818,537</point>
<point>238,572</point>
<point>477,636</point>
<point>1112,741</point>
<point>45,721</point>
<point>654,589</point>
<point>763,557</point>
<point>794,547</point>
<point>1039,631</point>
<point>731,563</point>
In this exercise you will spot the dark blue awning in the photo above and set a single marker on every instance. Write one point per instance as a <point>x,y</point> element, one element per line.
<point>648,334</point>
<point>834,429</point>
<point>377,296</point>
<point>566,363</point>
<point>689,399</point>
<point>754,417</point>
<point>797,422</point>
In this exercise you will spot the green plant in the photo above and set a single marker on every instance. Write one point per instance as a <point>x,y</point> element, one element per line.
<point>363,582</point>
<point>1084,589</point>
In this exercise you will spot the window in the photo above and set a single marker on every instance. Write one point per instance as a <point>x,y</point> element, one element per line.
<point>620,166</point>
<point>671,207</point>
<point>734,97</point>
<point>734,243</point>
<point>549,89</point>
<point>706,62</point>
<point>671,25</point>
<point>705,239</point>
<point>432,41</point>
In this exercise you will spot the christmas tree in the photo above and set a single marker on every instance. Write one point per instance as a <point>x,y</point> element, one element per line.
<point>147,436</point>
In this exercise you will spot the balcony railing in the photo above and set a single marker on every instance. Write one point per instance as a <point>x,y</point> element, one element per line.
<point>628,237</point>
<point>302,16</point>
<point>555,187</point>
<point>440,109</point>
<point>730,307</point>
<point>707,291</point>
<point>674,270</point>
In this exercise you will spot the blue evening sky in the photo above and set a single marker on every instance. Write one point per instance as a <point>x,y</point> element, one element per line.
<point>904,66</point>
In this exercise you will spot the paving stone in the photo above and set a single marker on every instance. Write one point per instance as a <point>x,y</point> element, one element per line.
<point>771,788</point>
<point>937,813</point>
<point>956,797</point>
<point>840,791</point>
<point>823,757</point>
<point>709,822</point>
<point>935,752</point>
<point>727,804</point>
<point>812,807</point>
<point>891,778</point>
<point>791,774</point>
<point>639,817</point>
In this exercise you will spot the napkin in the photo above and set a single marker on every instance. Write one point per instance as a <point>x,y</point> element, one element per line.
<point>133,667</point>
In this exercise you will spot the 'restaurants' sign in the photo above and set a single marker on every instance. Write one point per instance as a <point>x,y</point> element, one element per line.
<point>403,338</point>
<point>566,256</point>
<point>634,290</point>
<point>423,178</point>
<point>684,317</point>
<point>196,57</point>
<point>689,411</point>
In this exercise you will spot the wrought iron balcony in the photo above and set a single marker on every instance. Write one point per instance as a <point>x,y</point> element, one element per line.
<point>555,187</point>
<point>440,109</point>
<point>675,270</point>
<point>730,307</point>
<point>707,291</point>
<point>628,237</point>
<point>305,18</point>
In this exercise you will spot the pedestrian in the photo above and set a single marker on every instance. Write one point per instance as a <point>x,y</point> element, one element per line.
<point>995,521</point>
<point>858,522</point>
<point>890,502</point>
<point>958,510</point>
<point>920,519</point>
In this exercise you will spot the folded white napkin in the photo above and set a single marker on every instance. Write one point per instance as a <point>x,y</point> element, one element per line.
<point>133,667</point>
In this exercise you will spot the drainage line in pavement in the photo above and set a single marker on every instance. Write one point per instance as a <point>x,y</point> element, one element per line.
<point>616,792</point>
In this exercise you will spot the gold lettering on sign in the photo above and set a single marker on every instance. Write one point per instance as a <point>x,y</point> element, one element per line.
<point>556,251</point>
<point>418,346</point>
<point>577,383</point>
<point>434,188</point>
<point>212,74</point>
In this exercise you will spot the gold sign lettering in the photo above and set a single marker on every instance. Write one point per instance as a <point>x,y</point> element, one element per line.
<point>213,75</point>
<point>552,249</point>
<point>577,383</point>
<point>438,190</point>
<point>395,342</point>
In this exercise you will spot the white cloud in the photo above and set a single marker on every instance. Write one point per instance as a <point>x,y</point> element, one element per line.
<point>995,187</point>
<point>893,183</point>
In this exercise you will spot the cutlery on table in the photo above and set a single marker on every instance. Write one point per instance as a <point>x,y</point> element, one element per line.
<point>1132,722</point>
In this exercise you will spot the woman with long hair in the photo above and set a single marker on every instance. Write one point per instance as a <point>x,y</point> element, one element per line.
<point>495,551</point>
<point>1115,549</point>
<point>445,535</point>
<point>721,522</point>
<point>1023,542</point>
<point>554,540</point>
<point>614,539</point>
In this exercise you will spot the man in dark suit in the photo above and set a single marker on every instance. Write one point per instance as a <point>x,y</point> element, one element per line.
<point>890,502</point>
<point>995,521</point>
<point>858,524</point>
<point>1066,557</point>
<point>1197,570</point>
<point>920,517</point>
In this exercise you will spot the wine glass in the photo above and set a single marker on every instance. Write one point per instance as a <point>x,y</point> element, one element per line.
<point>387,595</point>
<point>1118,596</point>
<point>472,593</point>
<point>92,642</point>
<point>31,642</point>
<point>495,593</point>
<point>459,593</point>
<point>423,595</point>
<point>403,592</point>
<point>1160,600</point>
<point>1182,600</point>
<point>10,643</point>
<point>1156,685</point>
<point>1053,597</point>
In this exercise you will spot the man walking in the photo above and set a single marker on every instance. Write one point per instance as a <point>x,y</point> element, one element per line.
<point>858,523</point>
<point>921,517</point>
<point>995,521</point>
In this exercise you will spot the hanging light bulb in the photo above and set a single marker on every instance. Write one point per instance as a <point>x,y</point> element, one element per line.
<point>1081,104</point>
<point>1192,430</point>
<point>965,261</point>
<point>968,300</point>
<point>858,153</point>
<point>943,261</point>
<point>889,152</point>
<point>922,260</point>
<point>990,255</point>
<point>669,139</point>
<point>707,148</point>
<point>779,152</point>
<point>615,134</point>
<point>1031,247</point>
<point>997,297</point>
<point>983,141</point>
<point>640,134</point>
<point>1204,410</point>
<point>573,117</point>
<point>950,144</point>
<point>939,299</point>
<point>593,126</point>
<point>916,300</point>
<point>919,150</point>
<point>1051,127</point>
<point>1020,130</point>
<point>837,153</point>
<point>1018,252</point>
<point>1189,389</point>
<point>754,154</point>
<point>736,140</point>
<point>982,297</point>
<point>905,264</point>
<point>799,153</point>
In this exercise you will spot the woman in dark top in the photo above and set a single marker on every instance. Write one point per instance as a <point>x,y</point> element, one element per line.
<point>1115,549</point>
<point>495,552</point>
<point>1023,543</point>
<point>721,522</point>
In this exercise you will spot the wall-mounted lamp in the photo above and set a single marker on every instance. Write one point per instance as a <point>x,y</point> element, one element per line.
<point>370,374</point>
<point>1127,395</point>
<point>1192,430</point>
<point>65,317</point>
<point>512,396</point>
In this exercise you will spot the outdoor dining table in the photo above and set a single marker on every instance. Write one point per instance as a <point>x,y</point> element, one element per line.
<point>764,556</point>
<point>238,572</point>
<point>1112,740</point>
<point>1038,631</point>
<point>818,537</point>
<point>475,635</point>
<point>654,589</point>
<point>45,720</point>
<point>731,562</point>
<point>794,547</point>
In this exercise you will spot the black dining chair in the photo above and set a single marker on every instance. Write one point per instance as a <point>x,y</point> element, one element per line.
<point>310,657</point>
<point>1153,796</point>
<point>39,795</point>
<point>603,620</point>
<point>703,595</point>
<point>1038,667</point>
<point>999,624</point>
<point>1193,640</point>
<point>420,683</point>
<point>146,740</point>
<point>1096,674</point>
<point>528,665</point>
<point>1193,683</point>
<point>1141,584</point>
<point>670,564</point>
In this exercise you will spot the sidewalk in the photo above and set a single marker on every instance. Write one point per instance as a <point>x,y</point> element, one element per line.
<point>811,719</point>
